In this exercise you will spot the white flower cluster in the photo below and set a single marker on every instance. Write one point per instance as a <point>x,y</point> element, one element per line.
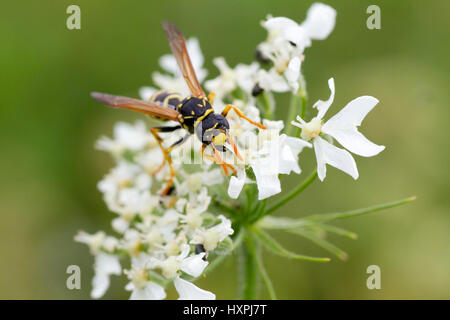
<point>168,237</point>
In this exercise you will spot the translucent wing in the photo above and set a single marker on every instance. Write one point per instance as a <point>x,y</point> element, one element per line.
<point>179,50</point>
<point>149,108</point>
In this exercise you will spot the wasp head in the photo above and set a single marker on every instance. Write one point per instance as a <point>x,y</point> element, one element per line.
<point>214,129</point>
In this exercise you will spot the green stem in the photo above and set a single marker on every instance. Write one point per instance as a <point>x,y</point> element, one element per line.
<point>297,106</point>
<point>302,112</point>
<point>268,105</point>
<point>256,251</point>
<point>292,194</point>
<point>248,273</point>
<point>292,112</point>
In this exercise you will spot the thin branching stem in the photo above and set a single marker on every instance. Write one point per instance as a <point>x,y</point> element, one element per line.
<point>292,194</point>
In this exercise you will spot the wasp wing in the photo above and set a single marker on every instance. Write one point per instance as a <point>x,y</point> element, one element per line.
<point>178,46</point>
<point>149,108</point>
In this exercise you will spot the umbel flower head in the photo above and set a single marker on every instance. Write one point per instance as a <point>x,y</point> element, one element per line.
<point>172,236</point>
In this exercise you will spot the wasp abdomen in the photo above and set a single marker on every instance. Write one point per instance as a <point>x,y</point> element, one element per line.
<point>166,98</point>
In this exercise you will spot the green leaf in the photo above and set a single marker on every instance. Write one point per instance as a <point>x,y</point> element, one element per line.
<point>320,242</point>
<point>319,218</point>
<point>289,223</point>
<point>280,223</point>
<point>276,248</point>
<point>339,231</point>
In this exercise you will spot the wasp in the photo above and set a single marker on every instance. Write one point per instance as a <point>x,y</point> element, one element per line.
<point>193,113</point>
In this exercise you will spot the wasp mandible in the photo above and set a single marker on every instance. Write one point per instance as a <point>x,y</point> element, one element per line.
<point>194,113</point>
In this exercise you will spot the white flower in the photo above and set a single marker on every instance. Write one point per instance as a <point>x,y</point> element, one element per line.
<point>126,137</point>
<point>319,23</point>
<point>343,128</point>
<point>210,238</point>
<point>189,291</point>
<point>246,76</point>
<point>286,42</point>
<point>272,80</point>
<point>120,225</point>
<point>175,81</point>
<point>293,73</point>
<point>225,82</point>
<point>121,176</point>
<point>191,264</point>
<point>105,265</point>
<point>93,241</point>
<point>140,285</point>
<point>146,93</point>
<point>150,291</point>
<point>278,154</point>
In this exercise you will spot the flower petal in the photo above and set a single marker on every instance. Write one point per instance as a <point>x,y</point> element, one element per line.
<point>278,24</point>
<point>100,283</point>
<point>104,266</point>
<point>322,106</point>
<point>194,265</point>
<point>107,264</point>
<point>189,291</point>
<point>146,93</point>
<point>151,291</point>
<point>343,127</point>
<point>341,159</point>
<point>291,147</point>
<point>266,179</point>
<point>292,73</point>
<point>235,186</point>
<point>320,21</point>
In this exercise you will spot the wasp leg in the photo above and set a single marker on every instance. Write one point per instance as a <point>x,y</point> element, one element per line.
<point>241,114</point>
<point>211,96</point>
<point>223,163</point>
<point>159,140</point>
<point>217,159</point>
<point>234,148</point>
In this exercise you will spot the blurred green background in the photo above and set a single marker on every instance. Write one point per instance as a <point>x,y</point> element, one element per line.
<point>49,167</point>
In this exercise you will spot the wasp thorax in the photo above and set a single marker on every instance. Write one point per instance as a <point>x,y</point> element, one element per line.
<point>193,109</point>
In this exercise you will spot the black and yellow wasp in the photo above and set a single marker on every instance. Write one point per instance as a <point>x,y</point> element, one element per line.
<point>194,113</point>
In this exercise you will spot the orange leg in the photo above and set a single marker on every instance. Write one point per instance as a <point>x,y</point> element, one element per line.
<point>167,159</point>
<point>241,114</point>
<point>217,159</point>
<point>223,163</point>
<point>234,148</point>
